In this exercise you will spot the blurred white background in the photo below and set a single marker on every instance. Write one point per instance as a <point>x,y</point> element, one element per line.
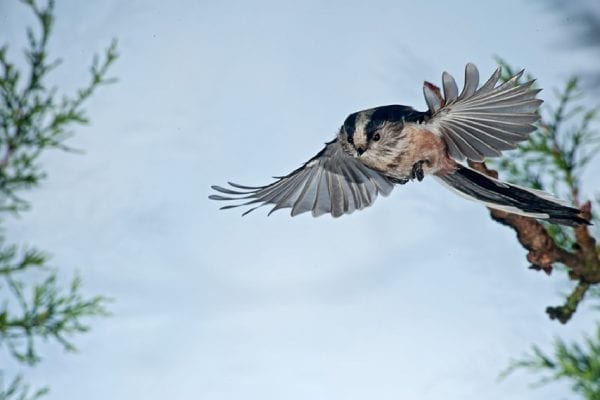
<point>422,296</point>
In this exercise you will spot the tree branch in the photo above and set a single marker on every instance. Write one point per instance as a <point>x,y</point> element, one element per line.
<point>583,263</point>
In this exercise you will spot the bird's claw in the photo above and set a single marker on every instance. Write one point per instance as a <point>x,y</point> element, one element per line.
<point>417,170</point>
<point>399,181</point>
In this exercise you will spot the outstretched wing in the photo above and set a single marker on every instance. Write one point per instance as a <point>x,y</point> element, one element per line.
<point>479,123</point>
<point>330,182</point>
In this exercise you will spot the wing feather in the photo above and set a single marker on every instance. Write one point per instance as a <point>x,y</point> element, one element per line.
<point>306,199</point>
<point>483,122</point>
<point>337,195</point>
<point>287,197</point>
<point>332,182</point>
<point>322,202</point>
<point>485,147</point>
<point>471,81</point>
<point>350,178</point>
<point>495,142</point>
<point>450,87</point>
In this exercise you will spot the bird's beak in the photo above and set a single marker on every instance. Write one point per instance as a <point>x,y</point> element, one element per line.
<point>360,151</point>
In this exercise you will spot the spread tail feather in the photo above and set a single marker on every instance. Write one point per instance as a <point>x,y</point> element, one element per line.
<point>511,198</point>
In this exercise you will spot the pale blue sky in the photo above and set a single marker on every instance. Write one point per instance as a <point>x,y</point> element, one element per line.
<point>420,297</point>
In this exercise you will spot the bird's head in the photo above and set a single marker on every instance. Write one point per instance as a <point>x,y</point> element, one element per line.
<point>370,134</point>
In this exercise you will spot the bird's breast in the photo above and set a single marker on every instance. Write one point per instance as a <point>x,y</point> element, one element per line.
<point>414,144</point>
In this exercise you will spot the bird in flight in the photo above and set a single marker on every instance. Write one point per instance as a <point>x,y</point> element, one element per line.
<point>377,148</point>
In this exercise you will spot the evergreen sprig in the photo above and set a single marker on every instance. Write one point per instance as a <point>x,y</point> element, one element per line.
<point>555,156</point>
<point>34,118</point>
<point>554,159</point>
<point>579,364</point>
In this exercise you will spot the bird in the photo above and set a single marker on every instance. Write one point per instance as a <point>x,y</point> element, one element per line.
<point>378,148</point>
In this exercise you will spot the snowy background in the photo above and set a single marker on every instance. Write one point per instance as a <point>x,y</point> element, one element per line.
<point>420,297</point>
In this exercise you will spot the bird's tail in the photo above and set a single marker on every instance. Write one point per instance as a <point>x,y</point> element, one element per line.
<point>511,198</point>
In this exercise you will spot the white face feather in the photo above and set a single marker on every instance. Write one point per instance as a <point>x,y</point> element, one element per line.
<point>352,134</point>
<point>364,141</point>
<point>360,134</point>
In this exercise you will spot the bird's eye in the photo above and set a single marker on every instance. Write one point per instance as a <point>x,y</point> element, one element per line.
<point>350,140</point>
<point>376,137</point>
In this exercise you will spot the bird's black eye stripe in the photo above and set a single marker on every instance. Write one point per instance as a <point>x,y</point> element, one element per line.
<point>391,113</point>
<point>397,113</point>
<point>350,126</point>
<point>373,125</point>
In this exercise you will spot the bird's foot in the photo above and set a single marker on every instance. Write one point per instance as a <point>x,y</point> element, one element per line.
<point>417,170</point>
<point>399,181</point>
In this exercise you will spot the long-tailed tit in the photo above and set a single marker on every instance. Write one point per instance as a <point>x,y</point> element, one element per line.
<point>382,146</point>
